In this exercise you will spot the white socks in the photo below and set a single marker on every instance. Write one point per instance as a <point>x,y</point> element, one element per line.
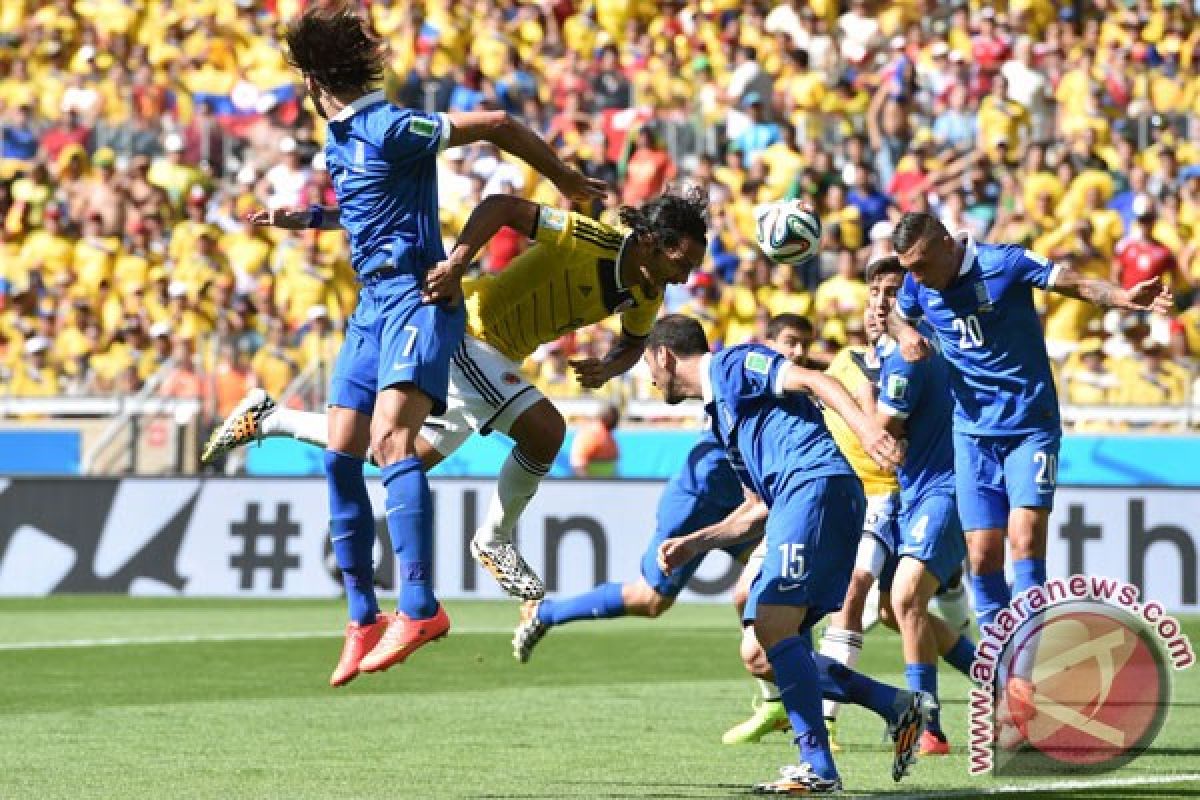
<point>518,481</point>
<point>307,426</point>
<point>844,647</point>
<point>770,691</point>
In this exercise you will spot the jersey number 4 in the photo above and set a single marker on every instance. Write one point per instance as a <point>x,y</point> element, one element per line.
<point>970,332</point>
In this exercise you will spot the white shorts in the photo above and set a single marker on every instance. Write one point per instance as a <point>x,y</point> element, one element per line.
<point>487,392</point>
<point>883,519</point>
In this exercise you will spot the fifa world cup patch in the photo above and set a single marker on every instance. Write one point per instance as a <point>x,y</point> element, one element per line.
<point>897,387</point>
<point>757,362</point>
<point>419,126</point>
<point>553,219</point>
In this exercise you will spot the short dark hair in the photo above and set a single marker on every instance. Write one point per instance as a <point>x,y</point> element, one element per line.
<point>667,219</point>
<point>334,46</point>
<point>913,227</point>
<point>780,322</point>
<point>889,265</point>
<point>680,334</point>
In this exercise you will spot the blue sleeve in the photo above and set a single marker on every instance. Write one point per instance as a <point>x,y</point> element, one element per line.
<point>901,384</point>
<point>407,135</point>
<point>907,304</point>
<point>749,374</point>
<point>1026,266</point>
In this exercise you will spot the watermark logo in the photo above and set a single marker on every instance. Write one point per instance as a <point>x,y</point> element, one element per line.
<point>1073,677</point>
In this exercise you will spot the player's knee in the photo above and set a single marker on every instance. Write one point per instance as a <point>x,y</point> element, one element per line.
<point>540,431</point>
<point>390,443</point>
<point>909,607</point>
<point>985,554</point>
<point>753,656</point>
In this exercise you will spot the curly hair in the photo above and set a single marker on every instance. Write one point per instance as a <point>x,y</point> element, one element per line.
<point>333,45</point>
<point>665,221</point>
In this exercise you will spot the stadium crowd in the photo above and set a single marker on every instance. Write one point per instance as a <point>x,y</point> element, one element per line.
<point>136,136</point>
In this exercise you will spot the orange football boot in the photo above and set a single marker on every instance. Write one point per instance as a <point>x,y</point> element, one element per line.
<point>934,745</point>
<point>360,640</point>
<point>403,636</point>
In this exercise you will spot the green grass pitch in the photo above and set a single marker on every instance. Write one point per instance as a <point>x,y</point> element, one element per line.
<point>228,699</point>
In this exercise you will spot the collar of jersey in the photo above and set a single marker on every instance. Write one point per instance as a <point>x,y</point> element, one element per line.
<point>968,251</point>
<point>358,105</point>
<point>706,387</point>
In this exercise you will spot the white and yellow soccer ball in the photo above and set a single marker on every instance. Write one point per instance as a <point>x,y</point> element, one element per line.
<point>788,231</point>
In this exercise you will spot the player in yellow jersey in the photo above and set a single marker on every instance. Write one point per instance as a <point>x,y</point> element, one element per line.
<point>579,272</point>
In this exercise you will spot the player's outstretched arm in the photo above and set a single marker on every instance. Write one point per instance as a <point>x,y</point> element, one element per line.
<point>495,212</point>
<point>879,444</point>
<point>742,524</point>
<point>593,373</point>
<point>515,137</point>
<point>1149,295</point>
<point>322,217</point>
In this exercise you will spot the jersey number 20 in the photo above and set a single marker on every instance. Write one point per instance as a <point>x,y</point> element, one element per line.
<point>970,332</point>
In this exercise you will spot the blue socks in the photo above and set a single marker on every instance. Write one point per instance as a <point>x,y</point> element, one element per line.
<point>410,522</point>
<point>961,655</point>
<point>1027,573</point>
<point>603,602</point>
<point>843,685</point>
<point>352,531</point>
<point>990,593</point>
<point>796,675</point>
<point>923,677</point>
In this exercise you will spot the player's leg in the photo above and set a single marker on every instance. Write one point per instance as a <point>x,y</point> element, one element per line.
<point>843,637</point>
<point>351,521</point>
<point>983,510</point>
<point>416,344</point>
<point>953,604</point>
<point>805,573</point>
<point>768,712</point>
<point>679,513</point>
<point>1031,476</point>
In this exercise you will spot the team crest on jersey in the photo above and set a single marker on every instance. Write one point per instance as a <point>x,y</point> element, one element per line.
<point>758,362</point>
<point>897,387</point>
<point>419,126</point>
<point>982,296</point>
<point>553,219</point>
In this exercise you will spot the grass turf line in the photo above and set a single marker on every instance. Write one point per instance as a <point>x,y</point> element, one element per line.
<point>626,708</point>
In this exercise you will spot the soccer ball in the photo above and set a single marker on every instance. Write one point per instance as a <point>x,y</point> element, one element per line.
<point>787,231</point>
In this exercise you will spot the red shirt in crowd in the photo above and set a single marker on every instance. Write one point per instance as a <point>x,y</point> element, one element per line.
<point>646,174</point>
<point>1143,259</point>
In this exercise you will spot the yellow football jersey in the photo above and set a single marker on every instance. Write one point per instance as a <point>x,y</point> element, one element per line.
<point>568,280</point>
<point>849,368</point>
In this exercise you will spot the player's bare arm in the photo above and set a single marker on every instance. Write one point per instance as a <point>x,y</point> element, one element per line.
<point>879,444</point>
<point>742,524</point>
<point>593,373</point>
<point>515,137</point>
<point>1149,295</point>
<point>326,218</point>
<point>495,212</point>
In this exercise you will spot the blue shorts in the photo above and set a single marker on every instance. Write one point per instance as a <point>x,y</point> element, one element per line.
<point>392,337</point>
<point>812,538</point>
<point>996,473</point>
<point>931,533</point>
<point>681,513</point>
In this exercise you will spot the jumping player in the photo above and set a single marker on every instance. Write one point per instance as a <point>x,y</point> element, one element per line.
<point>783,453</point>
<point>392,370</point>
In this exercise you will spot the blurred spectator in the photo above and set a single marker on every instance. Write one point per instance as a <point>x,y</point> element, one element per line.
<point>1140,256</point>
<point>594,452</point>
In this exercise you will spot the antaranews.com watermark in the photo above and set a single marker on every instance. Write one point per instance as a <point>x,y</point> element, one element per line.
<point>1072,676</point>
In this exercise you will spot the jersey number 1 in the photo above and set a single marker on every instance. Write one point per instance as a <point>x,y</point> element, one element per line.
<point>970,332</point>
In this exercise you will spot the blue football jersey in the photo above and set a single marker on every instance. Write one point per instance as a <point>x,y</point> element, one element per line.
<point>382,160</point>
<point>707,473</point>
<point>919,393</point>
<point>773,439</point>
<point>992,338</point>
